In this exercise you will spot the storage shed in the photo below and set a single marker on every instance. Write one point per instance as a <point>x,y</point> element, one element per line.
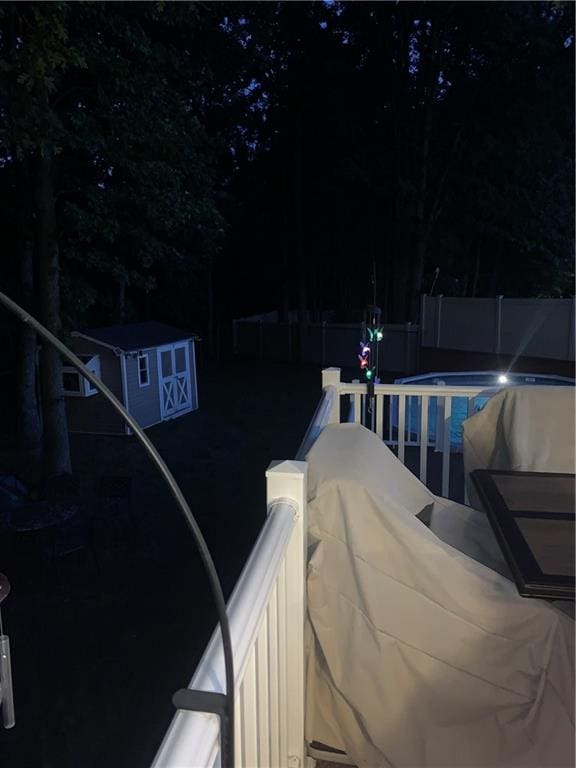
<point>150,367</point>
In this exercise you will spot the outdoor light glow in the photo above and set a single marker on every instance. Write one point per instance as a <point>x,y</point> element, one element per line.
<point>502,379</point>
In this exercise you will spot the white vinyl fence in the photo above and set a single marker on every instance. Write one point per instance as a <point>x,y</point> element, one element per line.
<point>521,327</point>
<point>266,613</point>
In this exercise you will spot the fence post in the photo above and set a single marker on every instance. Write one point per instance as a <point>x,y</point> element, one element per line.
<point>288,480</point>
<point>323,342</point>
<point>498,343</point>
<point>331,378</point>
<point>407,343</point>
<point>570,351</point>
<point>423,314</point>
<point>438,319</point>
<point>261,339</point>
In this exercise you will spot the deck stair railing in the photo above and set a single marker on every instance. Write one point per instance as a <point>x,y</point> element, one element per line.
<point>266,614</point>
<point>400,415</point>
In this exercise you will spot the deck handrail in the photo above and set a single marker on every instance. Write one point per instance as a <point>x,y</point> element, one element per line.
<point>321,417</point>
<point>266,616</point>
<point>433,390</point>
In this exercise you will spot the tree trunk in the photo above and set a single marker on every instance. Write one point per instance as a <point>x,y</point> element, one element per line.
<point>297,223</point>
<point>422,222</point>
<point>29,423</point>
<point>210,291</point>
<point>56,443</point>
<point>120,307</point>
<point>476,270</point>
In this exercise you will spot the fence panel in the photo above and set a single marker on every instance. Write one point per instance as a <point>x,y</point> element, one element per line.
<point>541,328</point>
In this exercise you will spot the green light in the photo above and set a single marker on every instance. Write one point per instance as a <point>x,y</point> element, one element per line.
<point>368,374</point>
<point>379,335</point>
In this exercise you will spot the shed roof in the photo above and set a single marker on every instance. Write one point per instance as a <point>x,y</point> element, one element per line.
<point>135,336</point>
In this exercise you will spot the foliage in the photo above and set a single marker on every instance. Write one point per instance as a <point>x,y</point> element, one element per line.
<point>258,142</point>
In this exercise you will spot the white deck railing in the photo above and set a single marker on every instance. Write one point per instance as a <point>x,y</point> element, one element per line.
<point>400,416</point>
<point>267,608</point>
<point>266,613</point>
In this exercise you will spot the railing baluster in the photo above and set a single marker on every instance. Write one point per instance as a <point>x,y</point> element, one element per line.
<point>446,446</point>
<point>282,681</point>
<point>273,691</point>
<point>262,688</point>
<point>469,412</point>
<point>239,728</point>
<point>424,405</point>
<point>357,408</point>
<point>379,414</point>
<point>401,426</point>
<point>250,714</point>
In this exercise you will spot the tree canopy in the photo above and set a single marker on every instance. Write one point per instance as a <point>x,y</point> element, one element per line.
<point>291,145</point>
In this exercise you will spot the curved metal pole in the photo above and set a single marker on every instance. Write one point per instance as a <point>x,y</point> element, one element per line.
<point>226,717</point>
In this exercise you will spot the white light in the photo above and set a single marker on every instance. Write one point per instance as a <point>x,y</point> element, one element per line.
<point>502,379</point>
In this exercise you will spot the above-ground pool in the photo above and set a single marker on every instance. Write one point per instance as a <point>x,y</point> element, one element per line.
<point>493,381</point>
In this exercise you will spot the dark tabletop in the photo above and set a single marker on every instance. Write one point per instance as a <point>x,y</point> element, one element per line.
<point>532,515</point>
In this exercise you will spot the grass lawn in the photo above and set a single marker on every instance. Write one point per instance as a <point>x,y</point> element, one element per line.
<point>97,653</point>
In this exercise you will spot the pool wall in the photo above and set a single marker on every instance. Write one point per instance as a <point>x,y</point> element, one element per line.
<point>491,380</point>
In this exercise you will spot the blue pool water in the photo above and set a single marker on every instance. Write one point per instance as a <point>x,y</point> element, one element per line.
<point>492,380</point>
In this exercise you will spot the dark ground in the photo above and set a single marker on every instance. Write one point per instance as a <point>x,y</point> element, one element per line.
<point>96,659</point>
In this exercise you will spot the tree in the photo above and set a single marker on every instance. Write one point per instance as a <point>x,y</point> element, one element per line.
<point>106,105</point>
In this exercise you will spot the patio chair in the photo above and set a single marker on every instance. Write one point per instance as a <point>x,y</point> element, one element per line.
<point>528,429</point>
<point>72,532</point>
<point>114,514</point>
<point>6,692</point>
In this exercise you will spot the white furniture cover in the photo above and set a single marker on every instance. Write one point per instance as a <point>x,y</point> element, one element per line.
<point>419,655</point>
<point>522,428</point>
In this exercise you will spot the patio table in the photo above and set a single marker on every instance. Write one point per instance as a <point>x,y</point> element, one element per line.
<point>532,515</point>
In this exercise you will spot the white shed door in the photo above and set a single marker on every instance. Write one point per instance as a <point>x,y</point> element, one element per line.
<point>174,379</point>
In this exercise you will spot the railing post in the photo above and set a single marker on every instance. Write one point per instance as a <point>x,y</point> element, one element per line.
<point>440,408</point>
<point>331,378</point>
<point>287,480</point>
<point>498,340</point>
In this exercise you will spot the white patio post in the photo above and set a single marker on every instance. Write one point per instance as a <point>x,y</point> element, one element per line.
<point>286,480</point>
<point>331,378</point>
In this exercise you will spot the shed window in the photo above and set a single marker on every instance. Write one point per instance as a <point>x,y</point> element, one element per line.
<point>74,384</point>
<point>143,369</point>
